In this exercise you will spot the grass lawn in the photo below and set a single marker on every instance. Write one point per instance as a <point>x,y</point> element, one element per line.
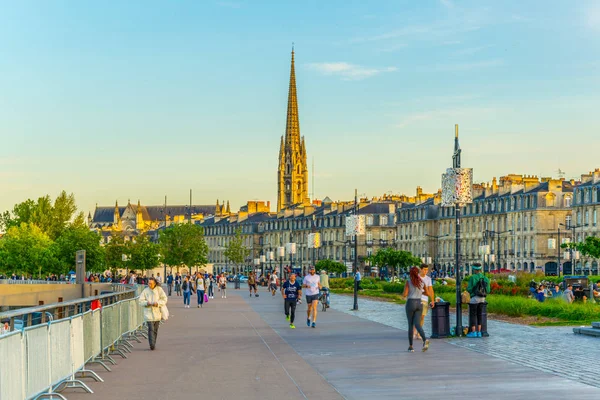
<point>514,309</point>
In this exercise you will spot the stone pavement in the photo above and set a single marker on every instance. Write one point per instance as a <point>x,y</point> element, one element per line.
<point>242,347</point>
<point>555,350</point>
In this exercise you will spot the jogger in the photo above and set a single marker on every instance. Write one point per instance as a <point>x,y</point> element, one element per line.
<point>291,292</point>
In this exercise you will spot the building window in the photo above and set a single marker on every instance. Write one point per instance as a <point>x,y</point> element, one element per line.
<point>578,217</point>
<point>383,220</point>
<point>587,217</point>
<point>383,235</point>
<point>568,201</point>
<point>532,221</point>
<point>568,219</point>
<point>369,251</point>
<point>369,220</point>
<point>595,217</point>
<point>369,236</point>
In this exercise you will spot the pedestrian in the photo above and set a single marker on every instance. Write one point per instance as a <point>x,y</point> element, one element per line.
<point>357,279</point>
<point>200,289</point>
<point>273,283</point>
<point>223,286</point>
<point>413,290</point>
<point>312,283</point>
<point>478,288</point>
<point>252,284</point>
<point>427,294</point>
<point>325,286</point>
<point>170,283</point>
<point>568,294</point>
<point>153,299</point>
<point>178,281</point>
<point>211,290</point>
<point>291,291</point>
<point>186,287</point>
<point>159,279</point>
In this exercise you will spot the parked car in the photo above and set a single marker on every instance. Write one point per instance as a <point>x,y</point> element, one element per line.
<point>243,278</point>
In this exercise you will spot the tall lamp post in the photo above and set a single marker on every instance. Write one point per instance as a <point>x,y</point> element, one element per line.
<point>457,191</point>
<point>355,226</point>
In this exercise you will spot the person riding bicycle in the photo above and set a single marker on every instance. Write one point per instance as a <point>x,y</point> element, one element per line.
<point>325,285</point>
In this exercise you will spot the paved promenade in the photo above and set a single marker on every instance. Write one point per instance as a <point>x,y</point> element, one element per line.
<point>242,347</point>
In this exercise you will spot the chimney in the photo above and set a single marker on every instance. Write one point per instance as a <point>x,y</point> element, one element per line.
<point>596,175</point>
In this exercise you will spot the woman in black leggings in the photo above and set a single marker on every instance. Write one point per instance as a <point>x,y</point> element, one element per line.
<point>414,308</point>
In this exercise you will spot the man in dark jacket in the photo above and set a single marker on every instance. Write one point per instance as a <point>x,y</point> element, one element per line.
<point>478,288</point>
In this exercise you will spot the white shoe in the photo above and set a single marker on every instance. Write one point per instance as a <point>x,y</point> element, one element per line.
<point>225,296</point>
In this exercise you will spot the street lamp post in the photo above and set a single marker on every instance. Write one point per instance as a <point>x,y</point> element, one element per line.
<point>281,254</point>
<point>355,305</point>
<point>572,252</point>
<point>457,191</point>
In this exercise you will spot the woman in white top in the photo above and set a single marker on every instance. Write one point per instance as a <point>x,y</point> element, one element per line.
<point>223,286</point>
<point>153,299</point>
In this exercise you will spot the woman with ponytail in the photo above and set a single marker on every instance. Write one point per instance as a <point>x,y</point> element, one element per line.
<point>414,308</point>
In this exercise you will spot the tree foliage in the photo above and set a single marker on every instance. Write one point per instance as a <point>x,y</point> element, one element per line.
<point>144,254</point>
<point>51,218</point>
<point>114,251</point>
<point>75,238</point>
<point>235,250</point>
<point>331,266</point>
<point>395,259</point>
<point>25,249</point>
<point>590,247</point>
<point>183,245</point>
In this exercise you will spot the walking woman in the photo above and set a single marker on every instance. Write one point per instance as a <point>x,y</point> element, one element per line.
<point>413,290</point>
<point>211,289</point>
<point>178,284</point>
<point>186,287</point>
<point>223,286</point>
<point>153,299</point>
<point>200,289</point>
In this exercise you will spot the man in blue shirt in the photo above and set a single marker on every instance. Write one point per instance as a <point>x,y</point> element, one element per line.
<point>291,292</point>
<point>170,282</point>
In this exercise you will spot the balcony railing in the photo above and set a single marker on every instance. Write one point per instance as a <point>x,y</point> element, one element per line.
<point>369,243</point>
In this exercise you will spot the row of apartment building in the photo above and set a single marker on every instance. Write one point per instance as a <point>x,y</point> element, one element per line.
<point>515,216</point>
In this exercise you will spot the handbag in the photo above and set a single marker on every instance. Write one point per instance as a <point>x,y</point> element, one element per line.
<point>205,298</point>
<point>164,313</point>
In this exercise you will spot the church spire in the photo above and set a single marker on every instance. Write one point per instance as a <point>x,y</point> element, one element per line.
<point>456,155</point>
<point>292,128</point>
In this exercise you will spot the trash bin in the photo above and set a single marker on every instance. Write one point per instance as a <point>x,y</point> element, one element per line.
<point>472,320</point>
<point>440,320</point>
<point>237,282</point>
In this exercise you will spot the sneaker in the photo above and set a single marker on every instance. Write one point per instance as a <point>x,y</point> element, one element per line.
<point>225,296</point>
<point>287,317</point>
<point>292,326</point>
<point>314,325</point>
<point>256,295</point>
<point>478,334</point>
<point>308,322</point>
<point>411,350</point>
<point>472,334</point>
<point>425,345</point>
<point>250,294</point>
<point>198,305</point>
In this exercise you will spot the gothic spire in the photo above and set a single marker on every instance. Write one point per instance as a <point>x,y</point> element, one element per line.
<point>292,128</point>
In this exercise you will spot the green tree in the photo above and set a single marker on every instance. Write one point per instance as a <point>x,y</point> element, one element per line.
<point>51,218</point>
<point>331,266</point>
<point>235,251</point>
<point>144,253</point>
<point>183,245</point>
<point>26,249</point>
<point>75,238</point>
<point>395,259</point>
<point>114,251</point>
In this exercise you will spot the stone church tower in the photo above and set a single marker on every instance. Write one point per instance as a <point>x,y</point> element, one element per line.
<point>292,175</point>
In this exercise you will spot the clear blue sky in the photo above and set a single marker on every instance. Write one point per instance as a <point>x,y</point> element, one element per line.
<point>141,99</point>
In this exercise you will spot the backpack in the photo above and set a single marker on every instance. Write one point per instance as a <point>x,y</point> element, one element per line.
<point>481,288</point>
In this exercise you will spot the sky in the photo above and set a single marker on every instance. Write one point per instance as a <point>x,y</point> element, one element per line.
<point>119,100</point>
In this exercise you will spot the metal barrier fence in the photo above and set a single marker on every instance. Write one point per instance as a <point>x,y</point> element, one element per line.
<point>43,359</point>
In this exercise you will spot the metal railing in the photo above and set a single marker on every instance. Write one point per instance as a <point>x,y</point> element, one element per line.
<point>29,282</point>
<point>47,357</point>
